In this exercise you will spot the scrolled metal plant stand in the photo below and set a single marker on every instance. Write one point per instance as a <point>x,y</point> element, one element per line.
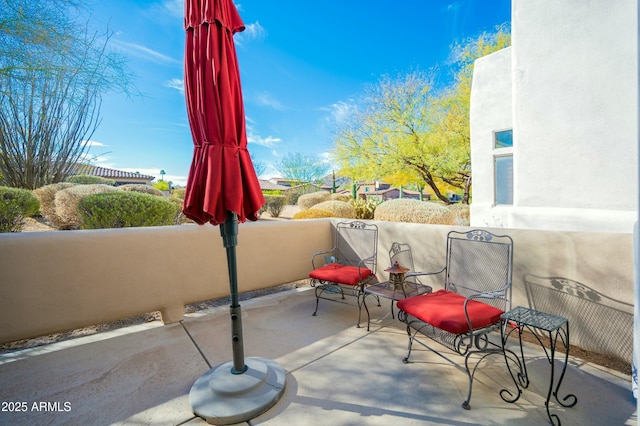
<point>557,329</point>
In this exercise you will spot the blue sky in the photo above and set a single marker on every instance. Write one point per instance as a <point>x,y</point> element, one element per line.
<point>303,64</point>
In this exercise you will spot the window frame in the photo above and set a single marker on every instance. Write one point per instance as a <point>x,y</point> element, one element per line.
<point>497,153</point>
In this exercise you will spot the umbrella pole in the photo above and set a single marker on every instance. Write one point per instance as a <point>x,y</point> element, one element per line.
<point>224,395</point>
<point>229,233</point>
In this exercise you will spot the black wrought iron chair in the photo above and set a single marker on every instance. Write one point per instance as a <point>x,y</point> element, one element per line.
<point>477,290</point>
<point>349,266</point>
<point>407,285</point>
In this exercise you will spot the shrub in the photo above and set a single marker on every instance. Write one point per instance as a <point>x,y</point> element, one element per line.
<point>67,200</point>
<point>312,213</point>
<point>139,187</point>
<point>16,205</point>
<point>338,208</point>
<point>90,180</point>
<point>341,197</point>
<point>293,194</point>
<point>415,211</point>
<point>121,209</point>
<point>161,185</point>
<point>307,201</point>
<point>271,192</point>
<point>178,193</point>
<point>365,209</point>
<point>461,214</point>
<point>47,196</point>
<point>274,204</point>
<point>179,217</point>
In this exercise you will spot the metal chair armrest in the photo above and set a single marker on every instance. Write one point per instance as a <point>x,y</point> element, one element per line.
<point>320,253</point>
<point>497,294</point>
<point>422,273</point>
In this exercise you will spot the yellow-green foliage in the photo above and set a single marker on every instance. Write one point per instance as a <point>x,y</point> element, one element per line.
<point>179,193</point>
<point>179,217</point>
<point>341,197</point>
<point>338,208</point>
<point>161,185</point>
<point>312,213</point>
<point>365,209</point>
<point>47,195</point>
<point>461,215</point>
<point>139,187</point>
<point>66,202</point>
<point>414,211</point>
<point>307,201</point>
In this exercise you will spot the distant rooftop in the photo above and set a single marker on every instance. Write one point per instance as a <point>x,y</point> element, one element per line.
<point>121,177</point>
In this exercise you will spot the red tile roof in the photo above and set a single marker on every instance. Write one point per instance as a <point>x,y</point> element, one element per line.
<point>112,173</point>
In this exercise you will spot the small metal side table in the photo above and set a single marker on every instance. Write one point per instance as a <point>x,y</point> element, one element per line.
<point>557,328</point>
<point>394,292</point>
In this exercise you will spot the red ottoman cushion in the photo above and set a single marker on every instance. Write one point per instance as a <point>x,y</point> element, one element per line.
<point>445,310</point>
<point>342,274</point>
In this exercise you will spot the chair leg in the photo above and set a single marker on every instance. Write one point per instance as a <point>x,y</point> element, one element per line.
<point>471,372</point>
<point>359,310</point>
<point>406,358</point>
<point>315,313</point>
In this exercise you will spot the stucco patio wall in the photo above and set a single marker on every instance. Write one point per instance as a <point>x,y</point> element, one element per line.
<point>56,281</point>
<point>585,277</point>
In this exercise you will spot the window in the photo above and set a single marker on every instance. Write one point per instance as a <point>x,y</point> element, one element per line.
<point>504,179</point>
<point>503,167</point>
<point>504,139</point>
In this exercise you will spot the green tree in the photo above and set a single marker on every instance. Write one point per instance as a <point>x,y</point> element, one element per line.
<point>258,165</point>
<point>407,132</point>
<point>302,168</point>
<point>53,70</point>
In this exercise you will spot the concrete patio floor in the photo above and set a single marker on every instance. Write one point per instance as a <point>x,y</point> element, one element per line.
<point>337,374</point>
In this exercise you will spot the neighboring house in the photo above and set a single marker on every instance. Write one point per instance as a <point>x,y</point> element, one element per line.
<point>554,120</point>
<point>283,181</point>
<point>267,185</point>
<point>383,191</point>
<point>120,177</point>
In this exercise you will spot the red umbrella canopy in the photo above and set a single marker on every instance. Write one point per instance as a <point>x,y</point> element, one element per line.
<point>222,177</point>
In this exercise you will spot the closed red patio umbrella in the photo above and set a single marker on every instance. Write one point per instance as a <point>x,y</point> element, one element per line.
<point>223,189</point>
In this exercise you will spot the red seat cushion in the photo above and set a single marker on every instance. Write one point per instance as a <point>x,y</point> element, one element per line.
<point>342,274</point>
<point>445,310</point>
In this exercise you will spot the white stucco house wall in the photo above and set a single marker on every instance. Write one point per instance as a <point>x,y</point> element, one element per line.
<point>554,120</point>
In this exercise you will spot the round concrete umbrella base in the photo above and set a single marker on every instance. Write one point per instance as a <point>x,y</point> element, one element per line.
<point>221,397</point>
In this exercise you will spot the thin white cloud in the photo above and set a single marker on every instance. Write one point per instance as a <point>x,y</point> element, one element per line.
<point>144,52</point>
<point>174,7</point>
<point>175,83</point>
<point>252,32</point>
<point>266,99</point>
<point>341,110</point>
<point>325,157</point>
<point>264,141</point>
<point>253,137</point>
<point>100,160</point>
<point>91,143</point>
<point>175,179</point>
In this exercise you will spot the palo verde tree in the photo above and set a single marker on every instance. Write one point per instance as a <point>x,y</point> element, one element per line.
<point>406,131</point>
<point>302,168</point>
<point>53,70</point>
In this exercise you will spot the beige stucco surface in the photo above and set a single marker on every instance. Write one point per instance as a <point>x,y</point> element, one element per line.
<point>54,281</point>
